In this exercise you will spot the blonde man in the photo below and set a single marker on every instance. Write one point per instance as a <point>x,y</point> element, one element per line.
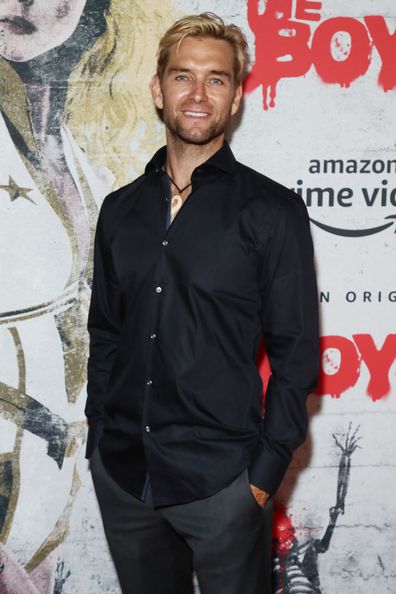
<point>194,261</point>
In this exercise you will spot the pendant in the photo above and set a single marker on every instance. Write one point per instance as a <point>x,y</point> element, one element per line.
<point>176,203</point>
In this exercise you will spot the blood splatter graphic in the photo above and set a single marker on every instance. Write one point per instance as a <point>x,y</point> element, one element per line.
<point>385,44</point>
<point>341,362</point>
<point>287,47</point>
<point>284,540</point>
<point>263,365</point>
<point>296,567</point>
<point>342,359</point>
<point>378,361</point>
<point>338,376</point>
<point>284,531</point>
<point>357,61</point>
<point>281,48</point>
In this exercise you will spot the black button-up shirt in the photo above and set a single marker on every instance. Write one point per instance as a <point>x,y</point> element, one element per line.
<point>175,322</point>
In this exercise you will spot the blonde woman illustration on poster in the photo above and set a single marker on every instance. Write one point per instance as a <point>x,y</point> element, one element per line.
<point>73,77</point>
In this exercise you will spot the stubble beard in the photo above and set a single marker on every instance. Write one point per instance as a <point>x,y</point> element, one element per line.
<point>195,136</point>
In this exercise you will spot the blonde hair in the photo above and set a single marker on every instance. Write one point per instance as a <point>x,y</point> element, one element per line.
<point>109,108</point>
<point>206,24</point>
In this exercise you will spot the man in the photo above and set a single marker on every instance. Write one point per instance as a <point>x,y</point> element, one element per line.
<point>186,464</point>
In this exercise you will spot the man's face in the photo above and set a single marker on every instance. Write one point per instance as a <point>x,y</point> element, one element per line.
<point>197,92</point>
<point>32,27</point>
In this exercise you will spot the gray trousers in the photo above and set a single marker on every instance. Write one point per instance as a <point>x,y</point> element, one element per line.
<point>225,538</point>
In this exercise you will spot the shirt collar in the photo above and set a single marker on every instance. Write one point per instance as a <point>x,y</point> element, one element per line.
<point>223,160</point>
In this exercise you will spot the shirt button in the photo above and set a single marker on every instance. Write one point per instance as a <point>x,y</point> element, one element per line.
<point>158,289</point>
<point>165,242</point>
<point>149,382</point>
<point>148,428</point>
<point>153,335</point>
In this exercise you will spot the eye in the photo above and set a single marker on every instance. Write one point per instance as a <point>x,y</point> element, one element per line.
<point>217,81</point>
<point>181,77</point>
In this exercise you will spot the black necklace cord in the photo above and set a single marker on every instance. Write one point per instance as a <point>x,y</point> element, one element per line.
<point>180,190</point>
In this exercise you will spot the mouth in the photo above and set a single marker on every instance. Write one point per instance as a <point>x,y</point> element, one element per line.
<point>196,114</point>
<point>18,25</point>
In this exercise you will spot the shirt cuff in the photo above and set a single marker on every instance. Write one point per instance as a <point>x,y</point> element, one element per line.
<point>267,470</point>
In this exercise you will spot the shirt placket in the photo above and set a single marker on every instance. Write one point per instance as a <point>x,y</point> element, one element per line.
<point>158,289</point>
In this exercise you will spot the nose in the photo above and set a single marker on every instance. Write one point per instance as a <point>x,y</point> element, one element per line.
<point>26,2</point>
<point>198,91</point>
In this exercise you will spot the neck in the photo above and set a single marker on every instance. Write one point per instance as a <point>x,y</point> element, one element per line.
<point>182,158</point>
<point>40,102</point>
<point>46,99</point>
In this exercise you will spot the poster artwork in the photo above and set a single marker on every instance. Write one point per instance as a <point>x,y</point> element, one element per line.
<point>71,131</point>
<point>295,563</point>
<point>340,49</point>
<point>76,121</point>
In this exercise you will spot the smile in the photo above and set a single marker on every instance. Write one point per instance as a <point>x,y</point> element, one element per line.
<point>195,114</point>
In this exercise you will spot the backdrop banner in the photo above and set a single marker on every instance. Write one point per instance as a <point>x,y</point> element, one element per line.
<point>76,121</point>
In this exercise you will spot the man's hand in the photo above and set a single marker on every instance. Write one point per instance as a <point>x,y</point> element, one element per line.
<point>260,495</point>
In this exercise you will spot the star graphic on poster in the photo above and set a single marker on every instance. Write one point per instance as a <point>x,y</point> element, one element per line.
<point>15,191</point>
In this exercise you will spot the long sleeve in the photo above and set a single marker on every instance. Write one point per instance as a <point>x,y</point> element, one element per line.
<point>289,318</point>
<point>103,327</point>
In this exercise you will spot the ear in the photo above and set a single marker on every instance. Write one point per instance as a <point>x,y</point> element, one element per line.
<point>237,99</point>
<point>156,92</point>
